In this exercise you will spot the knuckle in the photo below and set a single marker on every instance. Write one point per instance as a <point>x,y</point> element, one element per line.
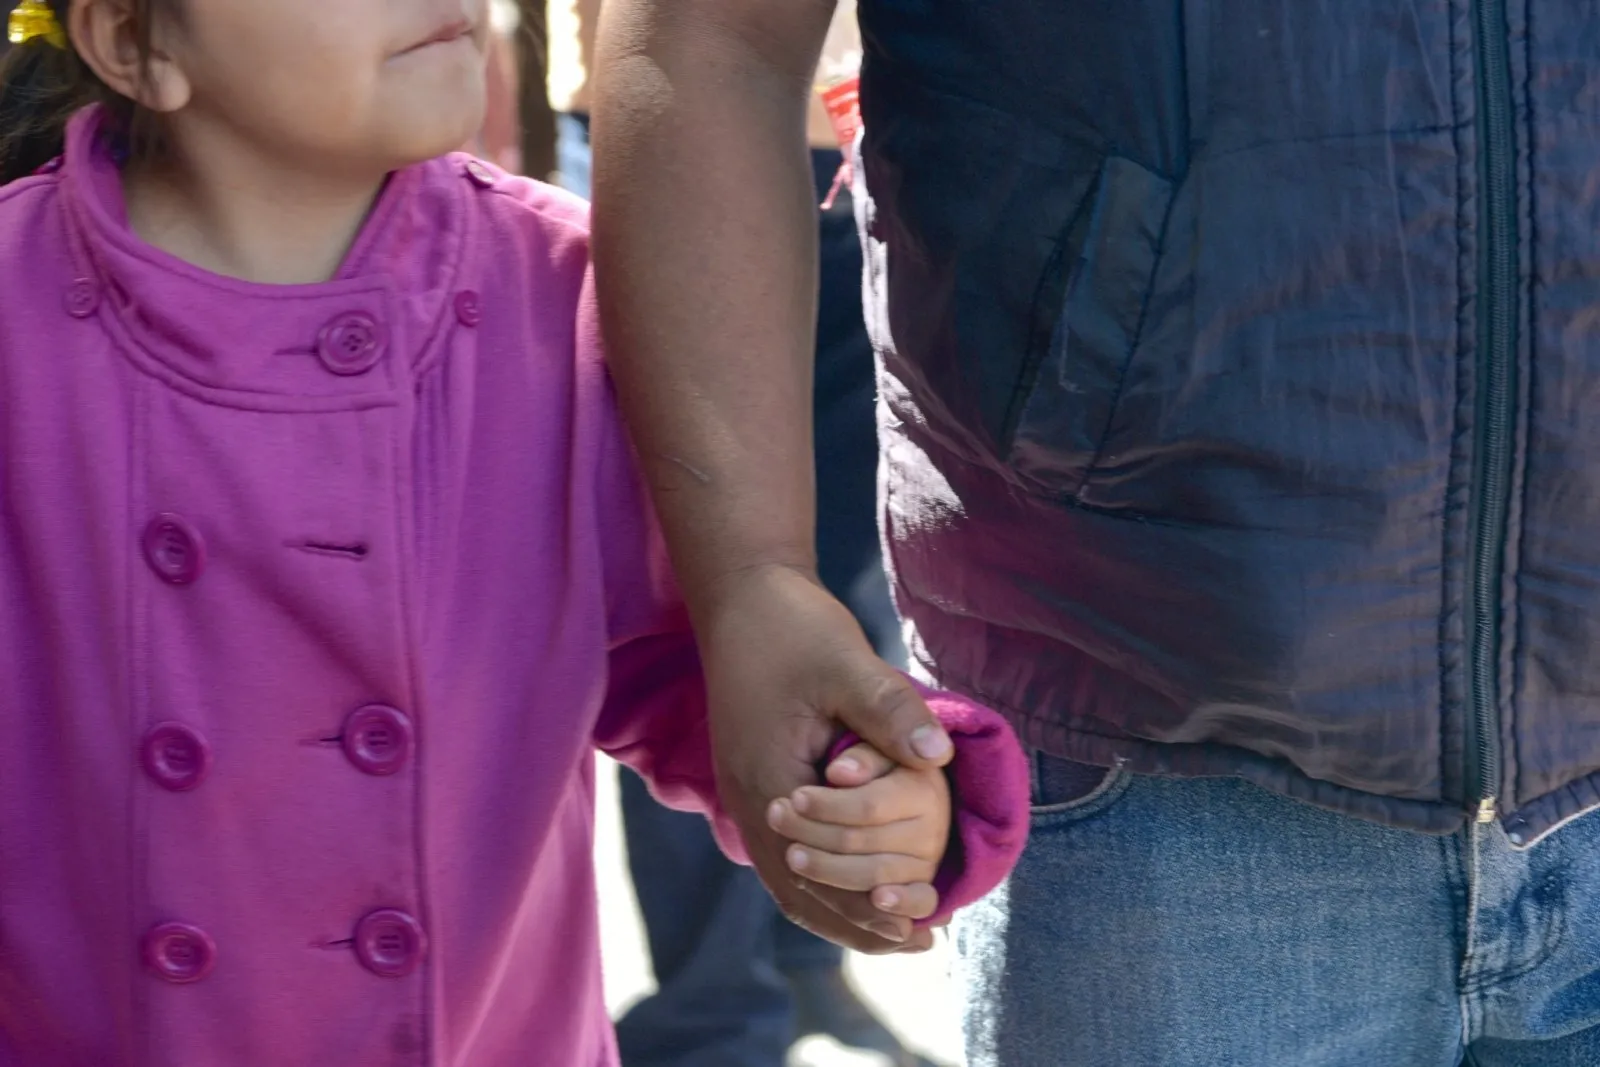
<point>890,696</point>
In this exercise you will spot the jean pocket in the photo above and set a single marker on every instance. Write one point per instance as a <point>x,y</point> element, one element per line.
<point>1065,791</point>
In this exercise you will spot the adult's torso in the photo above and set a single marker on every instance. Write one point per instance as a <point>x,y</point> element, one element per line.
<point>1235,360</point>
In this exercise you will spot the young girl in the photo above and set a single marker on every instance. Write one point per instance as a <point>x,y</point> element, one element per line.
<point>324,564</point>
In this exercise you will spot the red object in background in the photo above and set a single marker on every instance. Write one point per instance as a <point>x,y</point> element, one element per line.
<point>842,100</point>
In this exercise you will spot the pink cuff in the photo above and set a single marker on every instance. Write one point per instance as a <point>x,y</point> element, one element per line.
<point>989,797</point>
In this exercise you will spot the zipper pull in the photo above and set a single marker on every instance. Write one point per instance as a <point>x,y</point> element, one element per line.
<point>1486,810</point>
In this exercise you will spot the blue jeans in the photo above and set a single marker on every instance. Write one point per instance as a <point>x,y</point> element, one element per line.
<point>1205,922</point>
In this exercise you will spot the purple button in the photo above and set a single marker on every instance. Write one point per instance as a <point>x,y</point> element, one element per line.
<point>176,756</point>
<point>352,343</point>
<point>377,739</point>
<point>83,298</point>
<point>480,175</point>
<point>173,549</point>
<point>469,309</point>
<point>179,952</point>
<point>390,943</point>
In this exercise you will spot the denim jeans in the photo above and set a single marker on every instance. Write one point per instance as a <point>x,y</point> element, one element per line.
<point>1206,922</point>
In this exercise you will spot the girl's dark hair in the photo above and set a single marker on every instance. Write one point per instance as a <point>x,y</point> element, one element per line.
<point>42,85</point>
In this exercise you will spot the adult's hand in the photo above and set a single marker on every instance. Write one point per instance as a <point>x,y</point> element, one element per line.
<point>705,246</point>
<point>789,669</point>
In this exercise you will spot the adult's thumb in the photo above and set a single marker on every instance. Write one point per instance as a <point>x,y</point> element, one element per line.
<point>884,709</point>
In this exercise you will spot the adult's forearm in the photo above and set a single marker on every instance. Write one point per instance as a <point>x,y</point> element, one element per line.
<point>705,244</point>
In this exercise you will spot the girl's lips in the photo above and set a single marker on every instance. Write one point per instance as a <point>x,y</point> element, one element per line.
<point>444,35</point>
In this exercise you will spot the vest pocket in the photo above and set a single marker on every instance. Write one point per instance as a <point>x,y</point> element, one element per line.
<point>1088,313</point>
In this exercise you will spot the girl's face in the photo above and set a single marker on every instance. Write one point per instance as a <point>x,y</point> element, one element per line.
<point>353,85</point>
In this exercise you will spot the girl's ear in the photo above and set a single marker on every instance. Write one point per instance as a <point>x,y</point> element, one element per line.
<point>107,36</point>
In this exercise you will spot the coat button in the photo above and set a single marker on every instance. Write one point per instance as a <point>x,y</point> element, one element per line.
<point>173,549</point>
<point>179,952</point>
<point>377,739</point>
<point>175,756</point>
<point>469,309</point>
<point>352,343</point>
<point>479,175</point>
<point>390,943</point>
<point>83,298</point>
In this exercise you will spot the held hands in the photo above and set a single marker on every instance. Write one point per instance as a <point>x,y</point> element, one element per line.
<point>876,827</point>
<point>788,669</point>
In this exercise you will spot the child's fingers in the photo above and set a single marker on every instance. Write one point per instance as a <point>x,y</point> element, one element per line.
<point>859,874</point>
<point>907,835</point>
<point>908,901</point>
<point>883,801</point>
<point>858,765</point>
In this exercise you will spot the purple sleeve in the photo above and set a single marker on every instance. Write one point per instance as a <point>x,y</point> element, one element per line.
<point>989,797</point>
<point>655,722</point>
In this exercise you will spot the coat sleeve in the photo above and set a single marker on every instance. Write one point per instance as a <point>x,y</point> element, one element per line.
<point>653,718</point>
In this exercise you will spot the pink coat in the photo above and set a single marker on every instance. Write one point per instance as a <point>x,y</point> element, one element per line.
<point>314,603</point>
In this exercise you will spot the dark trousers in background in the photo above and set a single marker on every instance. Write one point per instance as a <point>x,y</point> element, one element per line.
<point>720,946</point>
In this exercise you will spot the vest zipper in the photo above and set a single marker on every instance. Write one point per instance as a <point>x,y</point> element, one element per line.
<point>1496,388</point>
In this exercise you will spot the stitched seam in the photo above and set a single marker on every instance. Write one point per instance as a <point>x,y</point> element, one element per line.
<point>1325,138</point>
<point>1526,371</point>
<point>1445,510</point>
<point>1115,401</point>
<point>1115,775</point>
<point>1040,333</point>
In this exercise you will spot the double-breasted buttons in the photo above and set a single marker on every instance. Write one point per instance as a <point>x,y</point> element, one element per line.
<point>174,549</point>
<point>82,299</point>
<point>469,308</point>
<point>179,953</point>
<point>390,943</point>
<point>175,756</point>
<point>377,739</point>
<point>352,343</point>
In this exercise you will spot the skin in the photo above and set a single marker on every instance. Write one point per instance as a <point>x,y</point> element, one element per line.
<point>882,828</point>
<point>281,120</point>
<point>705,247</point>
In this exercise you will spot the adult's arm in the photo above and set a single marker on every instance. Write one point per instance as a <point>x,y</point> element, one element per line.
<point>705,248</point>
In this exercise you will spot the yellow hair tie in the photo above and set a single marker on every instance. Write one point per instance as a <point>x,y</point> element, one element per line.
<point>33,19</point>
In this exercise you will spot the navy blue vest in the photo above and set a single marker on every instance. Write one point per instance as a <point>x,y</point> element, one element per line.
<point>1242,385</point>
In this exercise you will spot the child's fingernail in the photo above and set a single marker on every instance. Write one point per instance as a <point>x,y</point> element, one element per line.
<point>929,742</point>
<point>801,801</point>
<point>847,764</point>
<point>888,898</point>
<point>775,813</point>
<point>798,859</point>
<point>888,931</point>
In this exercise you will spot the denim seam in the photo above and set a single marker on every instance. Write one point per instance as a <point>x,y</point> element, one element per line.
<point>1105,796</point>
<point>1115,775</point>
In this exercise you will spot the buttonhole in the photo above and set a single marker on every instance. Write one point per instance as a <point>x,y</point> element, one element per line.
<point>356,551</point>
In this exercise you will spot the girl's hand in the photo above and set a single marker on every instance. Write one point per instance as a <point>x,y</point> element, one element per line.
<point>881,828</point>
